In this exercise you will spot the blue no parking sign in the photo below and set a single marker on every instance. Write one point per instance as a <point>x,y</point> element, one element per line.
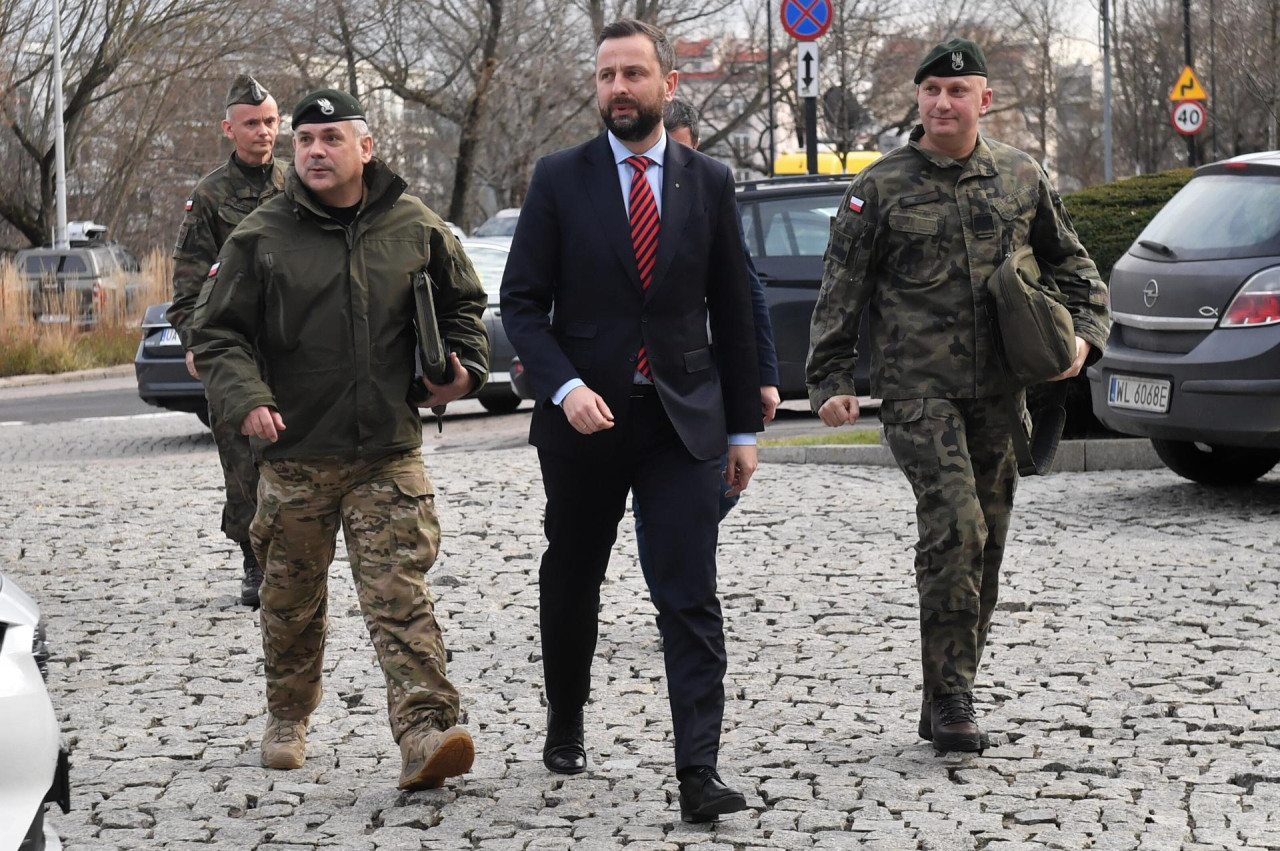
<point>805,20</point>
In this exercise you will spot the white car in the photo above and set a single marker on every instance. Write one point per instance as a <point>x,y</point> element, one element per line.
<point>36,765</point>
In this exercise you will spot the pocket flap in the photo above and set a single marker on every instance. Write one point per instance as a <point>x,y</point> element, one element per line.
<point>581,330</point>
<point>924,224</point>
<point>415,487</point>
<point>697,360</point>
<point>897,411</point>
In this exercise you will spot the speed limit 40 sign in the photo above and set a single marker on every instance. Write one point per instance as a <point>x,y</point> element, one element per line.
<point>1188,117</point>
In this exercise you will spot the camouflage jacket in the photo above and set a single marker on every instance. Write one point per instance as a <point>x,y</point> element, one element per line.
<point>220,201</point>
<point>328,312</point>
<point>914,241</point>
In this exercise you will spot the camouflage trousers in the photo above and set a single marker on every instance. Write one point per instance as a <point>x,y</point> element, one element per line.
<point>240,473</point>
<point>958,456</point>
<point>386,507</point>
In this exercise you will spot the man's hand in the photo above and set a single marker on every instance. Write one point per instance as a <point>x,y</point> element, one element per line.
<point>586,411</point>
<point>442,394</point>
<point>264,423</point>
<point>769,401</point>
<point>740,468</point>
<point>839,410</point>
<point>191,365</point>
<point>1082,352</point>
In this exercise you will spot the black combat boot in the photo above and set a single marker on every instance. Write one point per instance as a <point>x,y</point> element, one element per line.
<point>252,578</point>
<point>954,724</point>
<point>924,729</point>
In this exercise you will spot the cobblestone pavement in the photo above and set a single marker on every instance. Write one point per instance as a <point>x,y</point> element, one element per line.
<point>1132,671</point>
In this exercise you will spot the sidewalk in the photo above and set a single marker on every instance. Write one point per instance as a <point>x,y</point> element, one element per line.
<point>66,377</point>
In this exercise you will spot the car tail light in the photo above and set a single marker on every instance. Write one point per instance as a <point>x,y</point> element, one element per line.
<point>1257,303</point>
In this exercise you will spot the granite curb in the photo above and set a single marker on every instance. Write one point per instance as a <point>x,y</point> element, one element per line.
<point>1074,456</point>
<point>67,377</point>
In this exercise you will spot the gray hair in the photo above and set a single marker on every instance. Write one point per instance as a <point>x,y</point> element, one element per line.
<point>361,127</point>
<point>629,27</point>
<point>680,113</point>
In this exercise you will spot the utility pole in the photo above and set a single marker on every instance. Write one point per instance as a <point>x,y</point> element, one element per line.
<point>1186,44</point>
<point>773,151</point>
<point>1213,77</point>
<point>59,132</point>
<point>1107,172</point>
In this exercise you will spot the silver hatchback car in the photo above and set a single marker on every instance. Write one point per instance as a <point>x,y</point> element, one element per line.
<point>1193,361</point>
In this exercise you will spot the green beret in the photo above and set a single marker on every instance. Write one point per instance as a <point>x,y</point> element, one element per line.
<point>245,89</point>
<point>955,57</point>
<point>326,106</point>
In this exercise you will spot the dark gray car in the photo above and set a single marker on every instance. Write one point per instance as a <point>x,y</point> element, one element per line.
<point>1193,360</point>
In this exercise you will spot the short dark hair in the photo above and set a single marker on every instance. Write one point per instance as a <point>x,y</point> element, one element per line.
<point>629,27</point>
<point>680,113</point>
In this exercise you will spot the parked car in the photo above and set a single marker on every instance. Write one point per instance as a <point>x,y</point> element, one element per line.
<point>161,367</point>
<point>36,765</point>
<point>490,260</point>
<point>786,222</point>
<point>91,278</point>
<point>499,227</point>
<point>1193,360</point>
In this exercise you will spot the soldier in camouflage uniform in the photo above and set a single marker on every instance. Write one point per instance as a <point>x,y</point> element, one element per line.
<point>304,331</point>
<point>914,240</point>
<point>219,202</point>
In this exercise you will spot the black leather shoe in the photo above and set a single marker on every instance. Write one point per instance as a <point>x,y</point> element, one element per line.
<point>954,723</point>
<point>704,797</point>
<point>565,751</point>
<point>252,578</point>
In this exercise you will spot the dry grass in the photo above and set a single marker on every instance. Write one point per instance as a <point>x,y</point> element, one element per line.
<point>29,347</point>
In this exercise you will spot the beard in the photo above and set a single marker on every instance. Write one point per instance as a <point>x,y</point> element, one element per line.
<point>632,128</point>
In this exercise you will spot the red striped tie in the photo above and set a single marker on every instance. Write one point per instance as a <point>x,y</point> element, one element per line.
<point>644,237</point>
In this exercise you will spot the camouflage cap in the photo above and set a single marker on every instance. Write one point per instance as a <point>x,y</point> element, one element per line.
<point>245,89</point>
<point>325,106</point>
<point>955,57</point>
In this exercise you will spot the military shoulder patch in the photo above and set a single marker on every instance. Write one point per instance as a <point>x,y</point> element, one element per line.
<point>190,201</point>
<point>213,270</point>
<point>855,203</point>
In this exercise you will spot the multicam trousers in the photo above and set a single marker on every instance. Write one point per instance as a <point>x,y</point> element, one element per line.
<point>386,507</point>
<point>958,456</point>
<point>240,474</point>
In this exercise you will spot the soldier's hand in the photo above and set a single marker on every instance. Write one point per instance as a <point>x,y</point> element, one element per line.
<point>740,468</point>
<point>442,394</point>
<point>839,410</point>
<point>586,411</point>
<point>191,365</point>
<point>263,422</point>
<point>1082,352</point>
<point>769,401</point>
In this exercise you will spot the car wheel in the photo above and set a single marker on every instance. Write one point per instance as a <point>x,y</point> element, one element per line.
<point>203,414</point>
<point>1215,465</point>
<point>500,403</point>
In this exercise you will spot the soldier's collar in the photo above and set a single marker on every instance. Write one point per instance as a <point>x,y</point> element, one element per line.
<point>980,161</point>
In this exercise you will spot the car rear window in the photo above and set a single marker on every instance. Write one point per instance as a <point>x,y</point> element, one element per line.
<point>790,227</point>
<point>1220,216</point>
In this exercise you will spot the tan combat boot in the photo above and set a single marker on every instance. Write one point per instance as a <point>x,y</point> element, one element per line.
<point>430,755</point>
<point>284,745</point>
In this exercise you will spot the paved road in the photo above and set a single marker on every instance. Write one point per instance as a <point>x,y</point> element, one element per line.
<point>1132,671</point>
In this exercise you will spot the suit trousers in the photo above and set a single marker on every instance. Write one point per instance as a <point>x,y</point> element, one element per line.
<point>678,501</point>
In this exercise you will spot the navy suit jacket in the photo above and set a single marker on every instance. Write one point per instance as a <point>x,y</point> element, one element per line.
<point>573,307</point>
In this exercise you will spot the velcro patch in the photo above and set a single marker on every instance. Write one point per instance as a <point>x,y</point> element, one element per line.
<point>189,203</point>
<point>855,203</point>
<point>213,270</point>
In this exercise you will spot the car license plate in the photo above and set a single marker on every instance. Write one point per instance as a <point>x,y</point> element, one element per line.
<point>55,318</point>
<point>1139,394</point>
<point>169,337</point>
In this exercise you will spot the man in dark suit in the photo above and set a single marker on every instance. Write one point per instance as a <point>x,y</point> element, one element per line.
<point>634,242</point>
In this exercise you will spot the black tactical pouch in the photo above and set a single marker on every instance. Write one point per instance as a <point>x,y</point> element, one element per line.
<point>432,359</point>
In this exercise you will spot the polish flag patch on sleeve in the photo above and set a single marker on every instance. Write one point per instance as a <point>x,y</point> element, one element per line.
<point>213,270</point>
<point>855,203</point>
<point>189,205</point>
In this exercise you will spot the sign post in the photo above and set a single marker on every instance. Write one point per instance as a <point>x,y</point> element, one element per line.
<point>1188,115</point>
<point>805,21</point>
